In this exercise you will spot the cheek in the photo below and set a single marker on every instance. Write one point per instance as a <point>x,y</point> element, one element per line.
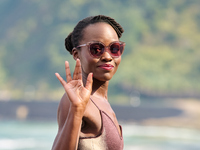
<point>117,61</point>
<point>87,62</point>
<point>87,65</point>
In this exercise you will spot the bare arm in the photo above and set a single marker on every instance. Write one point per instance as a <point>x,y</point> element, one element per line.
<point>71,108</point>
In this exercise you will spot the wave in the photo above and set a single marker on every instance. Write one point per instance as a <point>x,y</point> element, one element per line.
<point>22,143</point>
<point>161,132</point>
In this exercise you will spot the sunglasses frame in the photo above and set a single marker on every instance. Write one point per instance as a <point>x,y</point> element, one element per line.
<point>106,48</point>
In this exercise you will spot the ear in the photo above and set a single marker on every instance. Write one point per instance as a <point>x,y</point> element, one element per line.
<point>75,53</point>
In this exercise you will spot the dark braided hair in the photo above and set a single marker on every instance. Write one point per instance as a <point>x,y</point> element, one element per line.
<point>74,37</point>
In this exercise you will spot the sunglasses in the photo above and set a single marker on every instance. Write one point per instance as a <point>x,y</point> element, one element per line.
<point>96,49</point>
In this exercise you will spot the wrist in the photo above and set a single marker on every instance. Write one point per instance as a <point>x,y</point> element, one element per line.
<point>77,112</point>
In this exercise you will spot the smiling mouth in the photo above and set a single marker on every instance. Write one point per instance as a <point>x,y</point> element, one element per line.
<point>106,66</point>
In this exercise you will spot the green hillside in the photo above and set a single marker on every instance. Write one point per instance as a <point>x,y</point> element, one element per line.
<point>161,56</point>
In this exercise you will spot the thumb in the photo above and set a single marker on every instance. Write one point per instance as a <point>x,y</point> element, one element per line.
<point>89,82</point>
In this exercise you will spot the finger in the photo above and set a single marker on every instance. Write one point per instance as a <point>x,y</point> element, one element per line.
<point>89,82</point>
<point>68,73</point>
<point>62,81</point>
<point>77,71</point>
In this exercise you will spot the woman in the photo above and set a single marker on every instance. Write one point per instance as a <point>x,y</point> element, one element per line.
<point>85,118</point>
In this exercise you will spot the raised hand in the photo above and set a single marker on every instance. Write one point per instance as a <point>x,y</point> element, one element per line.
<point>77,93</point>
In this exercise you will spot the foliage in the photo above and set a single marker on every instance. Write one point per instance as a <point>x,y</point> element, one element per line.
<point>162,41</point>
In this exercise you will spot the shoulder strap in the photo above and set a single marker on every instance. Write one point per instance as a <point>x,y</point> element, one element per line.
<point>95,104</point>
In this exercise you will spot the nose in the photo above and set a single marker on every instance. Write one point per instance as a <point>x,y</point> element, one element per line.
<point>106,56</point>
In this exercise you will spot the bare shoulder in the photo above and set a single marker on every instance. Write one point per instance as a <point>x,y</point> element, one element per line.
<point>63,110</point>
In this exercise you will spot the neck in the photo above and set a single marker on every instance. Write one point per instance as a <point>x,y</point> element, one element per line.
<point>99,88</point>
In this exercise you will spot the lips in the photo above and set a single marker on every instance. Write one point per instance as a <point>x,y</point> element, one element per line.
<point>106,66</point>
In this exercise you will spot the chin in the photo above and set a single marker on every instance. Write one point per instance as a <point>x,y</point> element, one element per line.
<point>104,78</point>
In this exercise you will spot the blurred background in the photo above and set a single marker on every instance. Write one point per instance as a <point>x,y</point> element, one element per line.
<point>155,93</point>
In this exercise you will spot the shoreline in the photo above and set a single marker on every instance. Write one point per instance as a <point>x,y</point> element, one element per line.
<point>176,113</point>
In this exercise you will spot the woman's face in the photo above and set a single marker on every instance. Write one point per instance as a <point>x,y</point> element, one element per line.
<point>104,67</point>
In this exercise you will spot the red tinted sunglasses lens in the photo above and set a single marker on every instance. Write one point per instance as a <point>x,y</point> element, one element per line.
<point>96,49</point>
<point>115,49</point>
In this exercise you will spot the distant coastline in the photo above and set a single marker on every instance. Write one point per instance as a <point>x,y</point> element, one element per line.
<point>47,110</point>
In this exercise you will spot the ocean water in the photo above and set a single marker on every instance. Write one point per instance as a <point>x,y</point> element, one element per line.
<point>28,135</point>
